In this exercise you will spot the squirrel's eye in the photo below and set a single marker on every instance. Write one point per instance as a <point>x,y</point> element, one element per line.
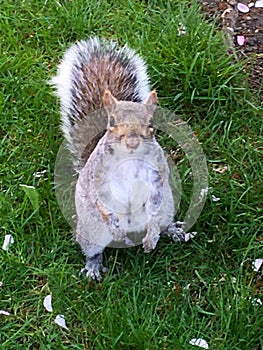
<point>150,123</point>
<point>112,121</point>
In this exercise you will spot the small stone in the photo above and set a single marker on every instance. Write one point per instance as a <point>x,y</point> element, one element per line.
<point>259,3</point>
<point>251,4</point>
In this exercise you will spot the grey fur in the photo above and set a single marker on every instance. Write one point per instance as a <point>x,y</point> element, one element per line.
<point>123,194</point>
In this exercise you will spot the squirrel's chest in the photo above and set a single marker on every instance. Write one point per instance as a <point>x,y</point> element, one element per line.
<point>128,187</point>
<point>124,190</point>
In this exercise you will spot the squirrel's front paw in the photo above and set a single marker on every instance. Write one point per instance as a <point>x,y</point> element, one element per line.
<point>176,231</point>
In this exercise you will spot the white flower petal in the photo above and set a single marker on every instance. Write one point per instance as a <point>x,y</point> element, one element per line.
<point>242,8</point>
<point>257,264</point>
<point>259,3</point>
<point>215,199</point>
<point>199,342</point>
<point>241,40</point>
<point>47,303</point>
<point>60,320</point>
<point>1,283</point>
<point>9,239</point>
<point>255,301</point>
<point>39,174</point>
<point>3,312</point>
<point>220,169</point>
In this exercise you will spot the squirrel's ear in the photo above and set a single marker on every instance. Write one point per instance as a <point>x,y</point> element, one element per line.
<point>109,101</point>
<point>151,101</point>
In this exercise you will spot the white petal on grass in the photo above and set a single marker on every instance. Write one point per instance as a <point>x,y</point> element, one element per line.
<point>257,264</point>
<point>47,303</point>
<point>199,342</point>
<point>259,3</point>
<point>5,313</point>
<point>255,301</point>
<point>1,283</point>
<point>181,29</point>
<point>60,320</point>
<point>215,199</point>
<point>39,174</point>
<point>242,8</point>
<point>220,169</point>
<point>9,239</point>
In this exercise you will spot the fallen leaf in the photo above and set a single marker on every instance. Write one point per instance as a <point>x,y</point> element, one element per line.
<point>9,239</point>
<point>199,342</point>
<point>242,8</point>
<point>47,303</point>
<point>32,194</point>
<point>257,264</point>
<point>60,320</point>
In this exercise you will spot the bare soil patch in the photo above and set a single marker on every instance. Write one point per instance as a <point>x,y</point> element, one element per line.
<point>244,31</point>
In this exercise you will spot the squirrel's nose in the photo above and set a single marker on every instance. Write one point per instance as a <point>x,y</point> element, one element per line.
<point>132,140</point>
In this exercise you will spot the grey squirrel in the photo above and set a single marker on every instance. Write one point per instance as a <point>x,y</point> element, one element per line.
<point>122,193</point>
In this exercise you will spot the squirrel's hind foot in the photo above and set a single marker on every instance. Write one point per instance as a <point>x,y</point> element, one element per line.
<point>93,268</point>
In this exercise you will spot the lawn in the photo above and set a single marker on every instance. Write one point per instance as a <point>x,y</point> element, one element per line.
<point>205,288</point>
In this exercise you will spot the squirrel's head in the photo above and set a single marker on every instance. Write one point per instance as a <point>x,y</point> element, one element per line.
<point>130,122</point>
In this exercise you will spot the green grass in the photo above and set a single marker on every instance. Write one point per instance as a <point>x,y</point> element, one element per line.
<point>178,292</point>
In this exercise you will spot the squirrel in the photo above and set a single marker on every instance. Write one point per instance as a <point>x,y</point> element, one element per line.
<point>122,195</point>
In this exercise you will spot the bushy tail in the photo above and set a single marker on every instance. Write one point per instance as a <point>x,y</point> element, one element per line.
<point>87,69</point>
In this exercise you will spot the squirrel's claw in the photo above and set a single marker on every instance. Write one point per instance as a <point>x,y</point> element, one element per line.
<point>92,274</point>
<point>176,231</point>
<point>93,267</point>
